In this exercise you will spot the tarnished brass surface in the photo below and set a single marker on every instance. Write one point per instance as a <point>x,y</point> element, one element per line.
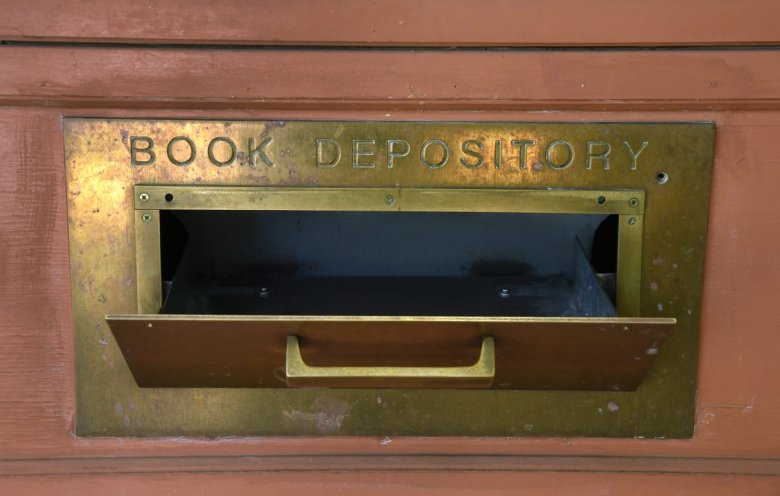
<point>548,201</point>
<point>479,374</point>
<point>106,159</point>
<point>147,249</point>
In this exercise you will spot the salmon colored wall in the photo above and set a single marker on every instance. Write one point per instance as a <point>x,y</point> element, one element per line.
<point>410,483</point>
<point>736,448</point>
<point>396,22</point>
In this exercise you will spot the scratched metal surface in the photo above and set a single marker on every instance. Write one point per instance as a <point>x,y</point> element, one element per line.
<point>100,210</point>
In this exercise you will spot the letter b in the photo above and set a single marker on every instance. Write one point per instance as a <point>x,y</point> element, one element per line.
<point>148,150</point>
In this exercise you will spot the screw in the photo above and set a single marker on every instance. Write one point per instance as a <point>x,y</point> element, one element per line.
<point>264,292</point>
<point>632,220</point>
<point>504,292</point>
<point>143,197</point>
<point>633,202</point>
<point>146,218</point>
<point>601,200</point>
<point>389,199</point>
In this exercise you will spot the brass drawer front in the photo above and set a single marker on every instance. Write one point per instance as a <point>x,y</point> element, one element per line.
<point>530,353</point>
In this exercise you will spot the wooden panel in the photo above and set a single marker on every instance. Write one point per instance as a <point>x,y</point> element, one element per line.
<point>390,80</point>
<point>738,406</point>
<point>36,379</point>
<point>738,412</point>
<point>388,484</point>
<point>396,22</point>
<point>407,484</point>
<point>391,462</point>
<point>737,441</point>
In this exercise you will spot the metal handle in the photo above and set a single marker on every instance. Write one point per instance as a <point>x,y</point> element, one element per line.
<point>480,374</point>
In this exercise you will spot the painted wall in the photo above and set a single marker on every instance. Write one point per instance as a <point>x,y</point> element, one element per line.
<point>736,448</point>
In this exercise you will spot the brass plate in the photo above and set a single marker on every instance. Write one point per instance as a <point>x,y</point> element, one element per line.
<point>106,159</point>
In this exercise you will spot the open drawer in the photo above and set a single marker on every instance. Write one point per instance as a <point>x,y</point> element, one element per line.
<point>388,287</point>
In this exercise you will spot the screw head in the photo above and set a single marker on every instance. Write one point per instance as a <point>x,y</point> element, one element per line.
<point>632,220</point>
<point>143,197</point>
<point>264,292</point>
<point>504,292</point>
<point>633,202</point>
<point>389,199</point>
<point>146,218</point>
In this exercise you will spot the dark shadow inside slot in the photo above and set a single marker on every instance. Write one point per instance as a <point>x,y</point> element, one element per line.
<point>385,263</point>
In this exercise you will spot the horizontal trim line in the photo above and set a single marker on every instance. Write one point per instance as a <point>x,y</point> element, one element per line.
<point>381,47</point>
<point>172,102</point>
<point>390,463</point>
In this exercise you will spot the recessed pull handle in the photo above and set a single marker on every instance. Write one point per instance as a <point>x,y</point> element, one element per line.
<point>480,374</point>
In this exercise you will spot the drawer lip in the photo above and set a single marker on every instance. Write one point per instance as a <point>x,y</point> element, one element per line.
<point>387,318</point>
<point>248,351</point>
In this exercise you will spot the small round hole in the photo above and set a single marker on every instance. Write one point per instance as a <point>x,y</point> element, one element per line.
<point>662,178</point>
<point>602,200</point>
<point>169,197</point>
